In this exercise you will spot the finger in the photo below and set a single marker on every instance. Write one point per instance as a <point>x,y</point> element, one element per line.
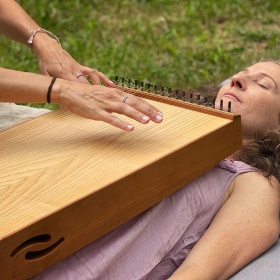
<point>93,75</point>
<point>82,79</point>
<point>125,109</point>
<point>142,109</point>
<point>115,121</point>
<point>96,76</point>
<point>104,79</point>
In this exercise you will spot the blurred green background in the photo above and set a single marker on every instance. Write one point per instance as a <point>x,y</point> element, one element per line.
<point>183,44</point>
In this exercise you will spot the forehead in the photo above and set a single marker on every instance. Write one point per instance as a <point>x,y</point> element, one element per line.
<point>271,69</point>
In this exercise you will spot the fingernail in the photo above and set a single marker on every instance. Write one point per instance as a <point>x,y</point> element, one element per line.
<point>159,117</point>
<point>145,119</point>
<point>129,127</point>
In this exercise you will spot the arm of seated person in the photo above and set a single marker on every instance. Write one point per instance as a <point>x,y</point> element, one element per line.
<point>246,226</point>
<point>53,60</point>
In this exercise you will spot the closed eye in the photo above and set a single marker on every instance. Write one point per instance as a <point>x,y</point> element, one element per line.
<point>262,86</point>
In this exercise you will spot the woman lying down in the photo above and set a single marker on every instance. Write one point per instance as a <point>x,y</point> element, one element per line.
<point>215,225</point>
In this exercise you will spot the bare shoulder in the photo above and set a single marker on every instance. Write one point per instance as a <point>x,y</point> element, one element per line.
<point>256,188</point>
<point>254,183</point>
<point>246,225</point>
<point>256,180</point>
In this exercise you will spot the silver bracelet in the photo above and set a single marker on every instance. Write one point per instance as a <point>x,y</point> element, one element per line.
<point>33,33</point>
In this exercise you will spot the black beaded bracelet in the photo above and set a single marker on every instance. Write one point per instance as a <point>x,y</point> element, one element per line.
<point>50,90</point>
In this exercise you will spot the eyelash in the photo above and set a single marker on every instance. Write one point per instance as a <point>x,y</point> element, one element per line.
<point>262,86</point>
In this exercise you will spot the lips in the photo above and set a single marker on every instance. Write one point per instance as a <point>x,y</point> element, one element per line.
<point>233,96</point>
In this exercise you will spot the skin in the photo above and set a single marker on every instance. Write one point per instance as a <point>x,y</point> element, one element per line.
<point>53,60</point>
<point>96,102</point>
<point>247,223</point>
<point>246,226</point>
<point>233,239</point>
<point>255,95</point>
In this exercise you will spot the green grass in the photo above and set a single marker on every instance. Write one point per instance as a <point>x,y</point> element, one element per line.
<point>183,44</point>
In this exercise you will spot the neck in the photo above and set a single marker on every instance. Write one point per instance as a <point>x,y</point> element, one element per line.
<point>245,141</point>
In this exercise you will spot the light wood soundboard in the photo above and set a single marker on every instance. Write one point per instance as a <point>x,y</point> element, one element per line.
<point>66,181</point>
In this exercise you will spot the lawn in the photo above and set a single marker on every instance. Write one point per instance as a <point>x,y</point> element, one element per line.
<point>182,44</point>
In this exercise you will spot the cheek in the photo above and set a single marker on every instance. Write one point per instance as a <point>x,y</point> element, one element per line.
<point>223,90</point>
<point>220,93</point>
<point>261,113</point>
<point>238,108</point>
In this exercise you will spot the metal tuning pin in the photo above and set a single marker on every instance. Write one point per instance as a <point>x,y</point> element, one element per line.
<point>191,97</point>
<point>184,96</point>
<point>142,86</point>
<point>169,92</point>
<point>213,102</point>
<point>198,99</point>
<point>205,100</point>
<point>229,106</point>
<point>221,104</point>
<point>155,89</point>
<point>148,87</point>
<point>176,94</point>
<point>162,90</point>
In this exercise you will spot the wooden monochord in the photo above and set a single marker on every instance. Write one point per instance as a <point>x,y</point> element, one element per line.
<point>66,181</point>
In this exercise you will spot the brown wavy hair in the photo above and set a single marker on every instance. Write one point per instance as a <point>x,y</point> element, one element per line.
<point>264,153</point>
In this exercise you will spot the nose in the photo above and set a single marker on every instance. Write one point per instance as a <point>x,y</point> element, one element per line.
<point>239,81</point>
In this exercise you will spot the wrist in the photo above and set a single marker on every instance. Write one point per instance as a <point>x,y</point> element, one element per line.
<point>40,39</point>
<point>61,92</point>
<point>55,95</point>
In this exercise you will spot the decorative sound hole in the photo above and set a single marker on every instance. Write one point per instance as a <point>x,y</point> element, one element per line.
<point>32,255</point>
<point>39,239</point>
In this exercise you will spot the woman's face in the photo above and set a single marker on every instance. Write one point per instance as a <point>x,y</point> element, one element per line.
<point>255,95</point>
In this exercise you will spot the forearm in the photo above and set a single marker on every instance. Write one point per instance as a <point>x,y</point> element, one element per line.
<point>15,23</point>
<point>190,273</point>
<point>23,87</point>
<point>53,60</point>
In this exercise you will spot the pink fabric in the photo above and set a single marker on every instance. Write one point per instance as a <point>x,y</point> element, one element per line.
<point>152,245</point>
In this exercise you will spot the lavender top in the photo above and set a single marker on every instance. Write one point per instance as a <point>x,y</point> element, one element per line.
<point>152,245</point>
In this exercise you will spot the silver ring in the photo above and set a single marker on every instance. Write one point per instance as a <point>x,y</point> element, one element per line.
<point>124,99</point>
<point>79,75</point>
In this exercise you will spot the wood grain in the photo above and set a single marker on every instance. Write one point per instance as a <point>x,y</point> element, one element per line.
<point>65,181</point>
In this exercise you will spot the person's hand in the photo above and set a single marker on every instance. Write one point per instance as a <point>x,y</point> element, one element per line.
<point>98,102</point>
<point>54,61</point>
<point>76,94</point>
